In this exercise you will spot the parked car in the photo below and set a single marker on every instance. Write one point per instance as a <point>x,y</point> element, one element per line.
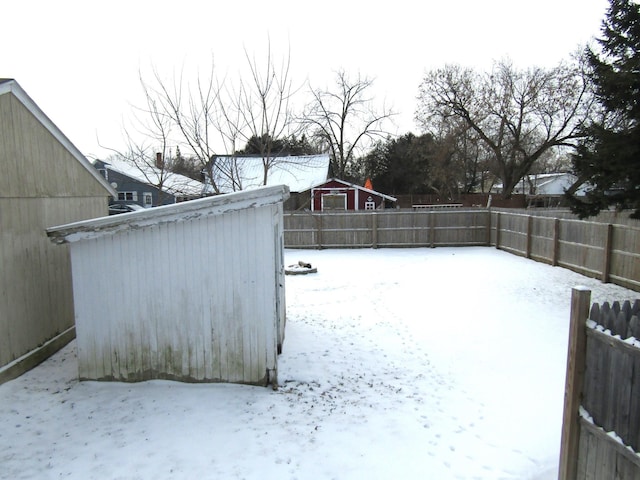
<point>117,208</point>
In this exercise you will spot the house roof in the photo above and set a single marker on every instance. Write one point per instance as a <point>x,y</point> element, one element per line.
<point>8,85</point>
<point>172,183</point>
<point>298,172</point>
<point>359,187</point>
<point>174,213</point>
<point>542,182</point>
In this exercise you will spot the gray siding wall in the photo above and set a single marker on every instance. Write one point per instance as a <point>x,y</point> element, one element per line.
<point>36,302</point>
<point>42,184</point>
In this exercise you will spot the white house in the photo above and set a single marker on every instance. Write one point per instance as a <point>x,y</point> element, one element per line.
<point>243,172</point>
<point>192,291</point>
<point>544,184</point>
<point>298,172</point>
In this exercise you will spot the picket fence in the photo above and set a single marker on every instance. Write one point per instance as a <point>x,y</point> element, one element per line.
<point>607,251</point>
<point>601,424</point>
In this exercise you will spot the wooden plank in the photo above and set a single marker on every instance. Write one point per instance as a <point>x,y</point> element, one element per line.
<point>634,327</point>
<point>634,412</point>
<point>488,227</point>
<point>529,228</point>
<point>598,409</point>
<point>580,302</point>
<point>591,454</point>
<point>591,387</point>
<point>319,230</point>
<point>583,455</point>
<point>556,242</point>
<point>432,229</point>
<point>624,403</point>
<point>613,459</point>
<point>612,380</point>
<point>374,230</point>
<point>620,325</point>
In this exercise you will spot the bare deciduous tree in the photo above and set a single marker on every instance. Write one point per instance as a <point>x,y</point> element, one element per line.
<point>196,115</point>
<point>264,104</point>
<point>214,114</point>
<point>519,115</point>
<point>148,149</point>
<point>345,119</point>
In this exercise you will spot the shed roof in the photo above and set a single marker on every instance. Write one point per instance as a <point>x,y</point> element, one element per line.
<point>10,86</point>
<point>177,212</point>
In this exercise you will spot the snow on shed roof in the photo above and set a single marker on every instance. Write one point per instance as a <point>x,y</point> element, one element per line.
<point>9,85</point>
<point>177,212</point>
<point>173,183</point>
<point>298,172</point>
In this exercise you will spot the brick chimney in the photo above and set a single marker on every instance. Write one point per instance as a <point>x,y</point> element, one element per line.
<point>159,161</point>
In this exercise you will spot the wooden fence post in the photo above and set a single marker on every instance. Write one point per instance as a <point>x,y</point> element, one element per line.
<point>319,231</point>
<point>498,230</point>
<point>606,267</point>
<point>432,228</point>
<point>529,228</point>
<point>556,241</point>
<point>576,356</point>
<point>488,227</point>
<point>374,230</point>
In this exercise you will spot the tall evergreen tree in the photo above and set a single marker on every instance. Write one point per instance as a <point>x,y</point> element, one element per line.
<point>609,156</point>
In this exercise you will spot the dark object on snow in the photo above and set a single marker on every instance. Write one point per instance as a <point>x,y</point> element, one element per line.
<point>301,268</point>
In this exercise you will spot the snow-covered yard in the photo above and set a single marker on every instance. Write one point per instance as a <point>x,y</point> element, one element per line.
<point>398,364</point>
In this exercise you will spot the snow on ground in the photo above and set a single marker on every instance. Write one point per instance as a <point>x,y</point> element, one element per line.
<point>411,363</point>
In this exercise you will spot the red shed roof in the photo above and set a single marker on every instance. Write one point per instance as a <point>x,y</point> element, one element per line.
<point>353,185</point>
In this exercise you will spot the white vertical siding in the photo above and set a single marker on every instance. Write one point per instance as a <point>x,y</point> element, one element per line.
<point>192,300</point>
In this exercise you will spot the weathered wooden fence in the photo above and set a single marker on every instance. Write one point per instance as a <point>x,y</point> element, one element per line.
<point>601,424</point>
<point>610,252</point>
<point>460,227</point>
<point>606,251</point>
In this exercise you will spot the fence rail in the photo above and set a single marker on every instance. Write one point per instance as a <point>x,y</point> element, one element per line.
<point>610,252</point>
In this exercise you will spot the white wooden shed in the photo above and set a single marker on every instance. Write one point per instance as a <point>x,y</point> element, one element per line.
<point>191,292</point>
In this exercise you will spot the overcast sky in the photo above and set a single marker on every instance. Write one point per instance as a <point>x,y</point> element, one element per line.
<point>80,60</point>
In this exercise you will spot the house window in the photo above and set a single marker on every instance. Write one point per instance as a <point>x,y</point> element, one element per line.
<point>147,200</point>
<point>128,196</point>
<point>334,201</point>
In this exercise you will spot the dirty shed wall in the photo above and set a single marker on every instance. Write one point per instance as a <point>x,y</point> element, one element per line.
<point>192,300</point>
